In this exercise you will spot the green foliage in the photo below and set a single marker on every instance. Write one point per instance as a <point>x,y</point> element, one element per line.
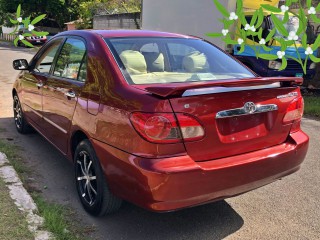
<point>27,24</point>
<point>314,59</point>
<point>312,106</point>
<point>279,25</point>
<point>260,18</point>
<point>239,7</point>
<point>221,8</point>
<point>12,221</point>
<point>268,56</point>
<point>280,32</point>
<point>316,43</point>
<point>56,220</point>
<point>38,19</point>
<point>57,11</point>
<point>271,8</point>
<point>214,34</point>
<point>284,64</point>
<point>270,35</point>
<point>87,9</point>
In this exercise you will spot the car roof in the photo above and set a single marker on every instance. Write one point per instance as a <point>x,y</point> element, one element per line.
<point>127,33</point>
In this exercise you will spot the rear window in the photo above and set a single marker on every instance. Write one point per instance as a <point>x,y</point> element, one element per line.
<point>173,60</point>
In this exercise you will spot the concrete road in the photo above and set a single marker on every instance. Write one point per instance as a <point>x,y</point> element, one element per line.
<point>286,209</point>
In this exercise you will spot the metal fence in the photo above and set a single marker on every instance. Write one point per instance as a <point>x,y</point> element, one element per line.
<point>7,37</point>
<point>117,21</point>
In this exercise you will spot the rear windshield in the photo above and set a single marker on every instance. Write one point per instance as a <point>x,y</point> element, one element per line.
<point>173,60</point>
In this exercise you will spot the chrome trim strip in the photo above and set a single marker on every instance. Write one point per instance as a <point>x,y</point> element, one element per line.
<point>202,91</point>
<point>292,94</point>
<point>47,120</point>
<point>242,111</point>
<point>34,111</point>
<point>55,125</point>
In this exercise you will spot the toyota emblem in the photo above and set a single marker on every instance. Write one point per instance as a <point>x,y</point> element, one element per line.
<point>249,107</point>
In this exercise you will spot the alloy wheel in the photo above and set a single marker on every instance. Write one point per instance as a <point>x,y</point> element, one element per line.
<point>17,112</point>
<point>86,178</point>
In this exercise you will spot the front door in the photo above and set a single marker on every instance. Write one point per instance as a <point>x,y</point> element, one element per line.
<point>33,81</point>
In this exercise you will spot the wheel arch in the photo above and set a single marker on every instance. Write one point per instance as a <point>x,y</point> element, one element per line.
<point>76,138</point>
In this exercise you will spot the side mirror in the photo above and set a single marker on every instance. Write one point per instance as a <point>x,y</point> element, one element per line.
<point>20,64</point>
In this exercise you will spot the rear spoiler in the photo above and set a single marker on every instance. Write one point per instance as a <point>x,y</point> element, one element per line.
<point>177,89</point>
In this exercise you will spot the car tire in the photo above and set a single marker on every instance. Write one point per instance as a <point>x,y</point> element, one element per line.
<point>91,183</point>
<point>22,125</point>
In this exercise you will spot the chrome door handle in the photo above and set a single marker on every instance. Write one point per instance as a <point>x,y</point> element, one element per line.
<point>70,94</point>
<point>39,85</point>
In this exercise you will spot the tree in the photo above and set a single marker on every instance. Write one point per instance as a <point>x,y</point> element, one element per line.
<point>60,11</point>
<point>87,9</point>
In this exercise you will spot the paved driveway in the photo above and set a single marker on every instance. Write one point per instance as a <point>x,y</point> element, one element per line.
<point>286,209</point>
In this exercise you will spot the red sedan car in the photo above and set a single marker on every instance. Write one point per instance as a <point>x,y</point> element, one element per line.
<point>162,120</point>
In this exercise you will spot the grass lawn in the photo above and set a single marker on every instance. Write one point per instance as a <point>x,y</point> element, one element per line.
<point>312,106</point>
<point>58,219</point>
<point>12,222</point>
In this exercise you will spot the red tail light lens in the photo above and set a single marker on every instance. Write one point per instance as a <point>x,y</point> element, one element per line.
<point>294,114</point>
<point>190,128</point>
<point>156,127</point>
<point>163,127</point>
<point>294,111</point>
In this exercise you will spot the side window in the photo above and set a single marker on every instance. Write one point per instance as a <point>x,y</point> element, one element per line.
<point>71,59</point>
<point>44,63</point>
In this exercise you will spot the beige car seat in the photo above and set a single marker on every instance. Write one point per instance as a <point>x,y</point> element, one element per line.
<point>155,61</point>
<point>195,62</point>
<point>134,62</point>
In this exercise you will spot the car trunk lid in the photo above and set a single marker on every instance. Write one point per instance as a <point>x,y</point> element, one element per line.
<point>237,116</point>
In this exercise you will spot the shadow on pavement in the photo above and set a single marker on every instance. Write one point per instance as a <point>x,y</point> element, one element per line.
<point>211,221</point>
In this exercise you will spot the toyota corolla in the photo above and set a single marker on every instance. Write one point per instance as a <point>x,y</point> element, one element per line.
<point>162,120</point>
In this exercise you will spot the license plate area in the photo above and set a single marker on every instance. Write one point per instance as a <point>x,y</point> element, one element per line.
<point>244,128</point>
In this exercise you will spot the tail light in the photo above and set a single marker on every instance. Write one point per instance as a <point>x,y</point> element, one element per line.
<point>190,128</point>
<point>294,114</point>
<point>164,127</point>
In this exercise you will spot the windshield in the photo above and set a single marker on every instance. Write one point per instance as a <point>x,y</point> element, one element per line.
<point>173,60</point>
<point>291,25</point>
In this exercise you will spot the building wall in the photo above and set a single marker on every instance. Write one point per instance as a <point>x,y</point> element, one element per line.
<point>185,16</point>
<point>71,26</point>
<point>117,21</point>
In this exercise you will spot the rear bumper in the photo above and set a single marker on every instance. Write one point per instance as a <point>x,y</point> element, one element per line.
<point>172,183</point>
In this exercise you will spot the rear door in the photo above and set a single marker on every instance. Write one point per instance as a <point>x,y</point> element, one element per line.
<point>62,89</point>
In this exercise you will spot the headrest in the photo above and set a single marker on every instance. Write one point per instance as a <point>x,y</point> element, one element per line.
<point>134,62</point>
<point>155,61</point>
<point>195,62</point>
